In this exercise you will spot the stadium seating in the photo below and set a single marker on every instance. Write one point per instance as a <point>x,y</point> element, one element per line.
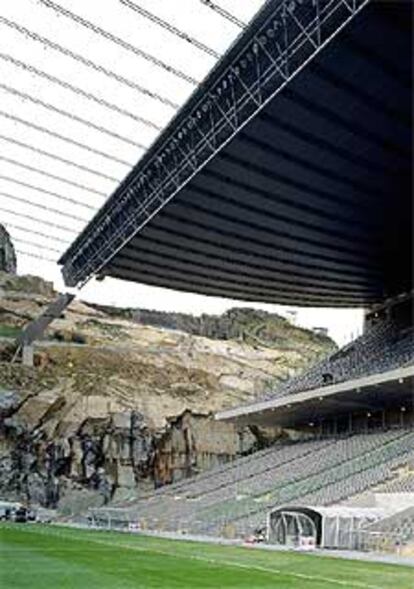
<point>395,529</point>
<point>383,347</point>
<point>402,484</point>
<point>238,496</point>
<point>234,499</point>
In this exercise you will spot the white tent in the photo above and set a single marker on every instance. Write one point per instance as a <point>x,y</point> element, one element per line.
<point>325,527</point>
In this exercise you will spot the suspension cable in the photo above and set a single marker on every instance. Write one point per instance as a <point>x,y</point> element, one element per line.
<point>34,244</point>
<point>44,191</point>
<point>170,28</point>
<point>224,13</point>
<point>32,255</point>
<point>88,63</point>
<point>33,232</point>
<point>69,115</point>
<point>53,176</point>
<point>36,220</point>
<point>64,138</point>
<point>79,91</point>
<point>118,41</point>
<point>43,207</point>
<point>58,158</point>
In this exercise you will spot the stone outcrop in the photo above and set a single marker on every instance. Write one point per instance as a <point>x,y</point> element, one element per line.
<point>55,445</point>
<point>113,407</point>
<point>7,253</point>
<point>24,287</point>
<point>194,442</point>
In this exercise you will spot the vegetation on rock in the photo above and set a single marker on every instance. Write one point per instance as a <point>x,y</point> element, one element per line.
<point>252,326</point>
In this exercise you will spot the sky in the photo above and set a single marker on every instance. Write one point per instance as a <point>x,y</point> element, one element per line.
<point>79,107</point>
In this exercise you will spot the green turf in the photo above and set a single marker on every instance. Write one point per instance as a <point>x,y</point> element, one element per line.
<point>9,330</point>
<point>47,557</point>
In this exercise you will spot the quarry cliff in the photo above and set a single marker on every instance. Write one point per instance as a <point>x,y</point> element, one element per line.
<point>7,252</point>
<point>114,406</point>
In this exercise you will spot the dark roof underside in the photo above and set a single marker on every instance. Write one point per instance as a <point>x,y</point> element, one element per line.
<point>310,204</point>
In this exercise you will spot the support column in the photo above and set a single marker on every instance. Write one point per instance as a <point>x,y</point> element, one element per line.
<point>27,355</point>
<point>350,423</point>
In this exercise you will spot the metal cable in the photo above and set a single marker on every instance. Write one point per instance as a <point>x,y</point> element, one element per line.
<point>33,232</point>
<point>88,63</point>
<point>118,41</point>
<point>170,28</point>
<point>36,220</point>
<point>34,244</point>
<point>79,91</point>
<point>58,158</point>
<point>43,207</point>
<point>64,138</point>
<point>53,176</point>
<point>44,191</point>
<point>224,13</point>
<point>69,115</point>
<point>32,255</point>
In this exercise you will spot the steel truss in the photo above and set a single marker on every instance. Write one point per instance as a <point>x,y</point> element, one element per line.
<point>280,41</point>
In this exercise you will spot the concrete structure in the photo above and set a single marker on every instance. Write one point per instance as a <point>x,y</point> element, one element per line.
<point>367,383</point>
<point>286,178</point>
<point>389,390</point>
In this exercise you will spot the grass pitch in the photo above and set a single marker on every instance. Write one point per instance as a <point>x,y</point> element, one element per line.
<point>46,557</point>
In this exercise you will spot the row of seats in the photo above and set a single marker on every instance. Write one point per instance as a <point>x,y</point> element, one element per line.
<point>402,484</point>
<point>382,348</point>
<point>399,527</point>
<point>357,468</point>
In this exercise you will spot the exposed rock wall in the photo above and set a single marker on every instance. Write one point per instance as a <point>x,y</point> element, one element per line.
<point>7,253</point>
<point>49,453</point>
<point>112,406</point>
<point>195,442</point>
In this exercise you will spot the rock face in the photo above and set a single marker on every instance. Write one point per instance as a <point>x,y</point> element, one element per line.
<point>55,445</point>
<point>20,288</point>
<point>112,407</point>
<point>7,253</point>
<point>195,442</point>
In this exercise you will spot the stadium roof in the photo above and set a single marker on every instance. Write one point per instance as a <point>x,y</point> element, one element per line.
<point>286,178</point>
<point>392,389</point>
